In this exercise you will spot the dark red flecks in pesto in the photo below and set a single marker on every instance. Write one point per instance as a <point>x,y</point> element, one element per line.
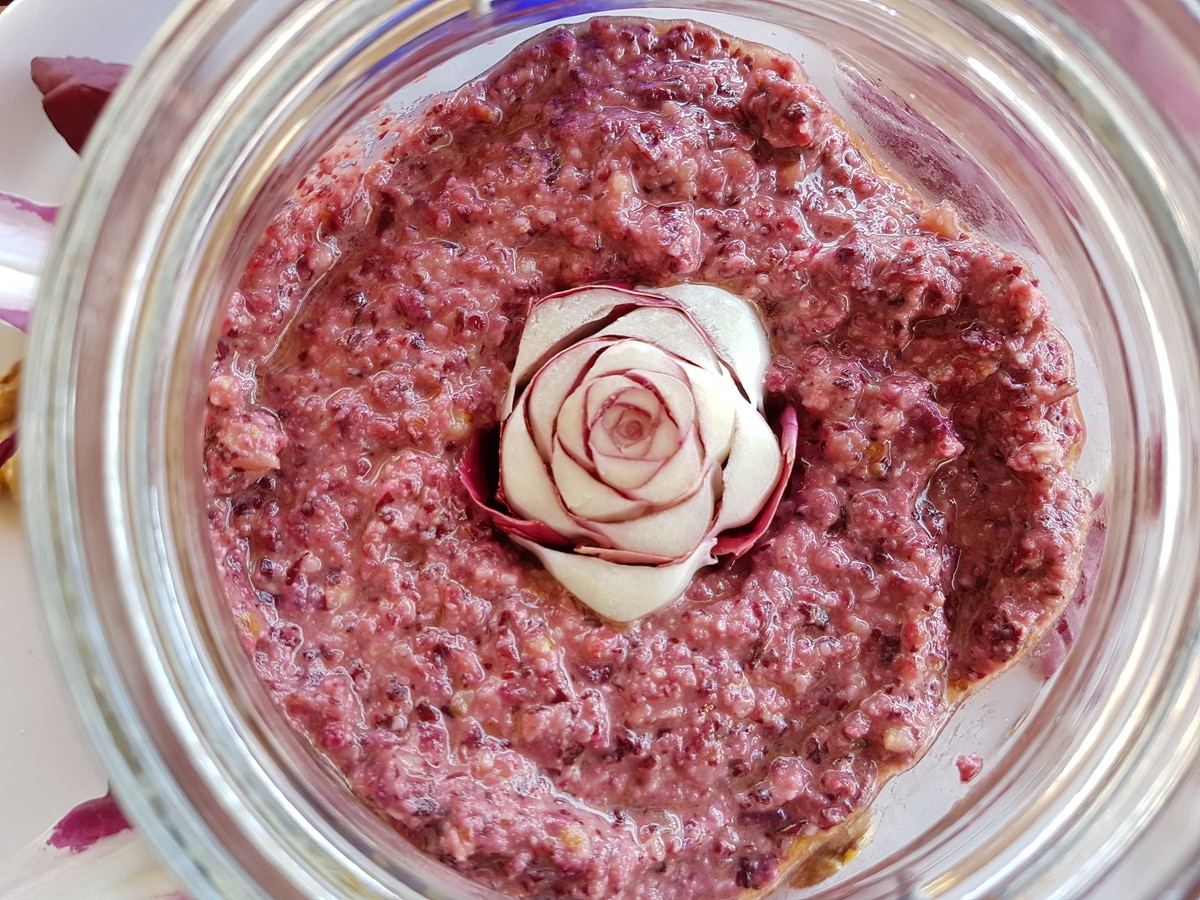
<point>933,526</point>
<point>88,823</point>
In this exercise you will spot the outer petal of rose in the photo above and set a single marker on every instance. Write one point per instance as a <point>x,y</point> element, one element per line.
<point>752,470</point>
<point>526,484</point>
<point>473,472</point>
<point>584,496</point>
<point>557,321</point>
<point>668,328</point>
<point>735,329</point>
<point>673,532</point>
<point>717,399</point>
<point>739,542</point>
<point>619,592</point>
<point>551,386</point>
<point>630,356</point>
<point>625,475</point>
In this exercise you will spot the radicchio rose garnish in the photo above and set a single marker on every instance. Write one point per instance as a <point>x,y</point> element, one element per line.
<point>633,446</point>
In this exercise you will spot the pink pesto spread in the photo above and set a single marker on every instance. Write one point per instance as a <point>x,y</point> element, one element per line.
<point>931,530</point>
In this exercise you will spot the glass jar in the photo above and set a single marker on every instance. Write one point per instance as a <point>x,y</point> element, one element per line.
<point>1059,131</point>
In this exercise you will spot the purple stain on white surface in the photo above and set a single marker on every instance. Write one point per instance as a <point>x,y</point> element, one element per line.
<point>45,213</point>
<point>87,824</point>
<point>17,318</point>
<point>25,231</point>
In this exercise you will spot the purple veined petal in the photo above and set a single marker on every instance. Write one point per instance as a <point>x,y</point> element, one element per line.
<point>626,475</point>
<point>672,532</point>
<point>679,407</point>
<point>525,486</point>
<point>739,542</point>
<point>25,231</point>
<point>569,429</point>
<point>750,472</point>
<point>632,355</point>
<point>558,321</point>
<point>587,498</point>
<point>625,422</point>
<point>735,327</point>
<point>624,417</point>
<point>478,474</point>
<point>716,395</point>
<point>678,478</point>
<point>550,387</point>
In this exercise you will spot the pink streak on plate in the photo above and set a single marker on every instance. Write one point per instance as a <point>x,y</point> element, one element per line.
<point>88,823</point>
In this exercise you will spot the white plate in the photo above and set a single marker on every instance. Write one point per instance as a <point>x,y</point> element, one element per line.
<point>46,765</point>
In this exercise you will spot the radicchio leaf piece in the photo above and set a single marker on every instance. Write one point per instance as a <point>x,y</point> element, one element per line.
<point>74,92</point>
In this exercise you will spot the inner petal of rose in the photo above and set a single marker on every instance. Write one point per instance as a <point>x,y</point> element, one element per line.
<point>620,443</point>
<point>667,397</point>
<point>617,399</point>
<point>588,497</point>
<point>630,428</point>
<point>549,389</point>
<point>668,468</point>
<point>626,421</point>
<point>677,478</point>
